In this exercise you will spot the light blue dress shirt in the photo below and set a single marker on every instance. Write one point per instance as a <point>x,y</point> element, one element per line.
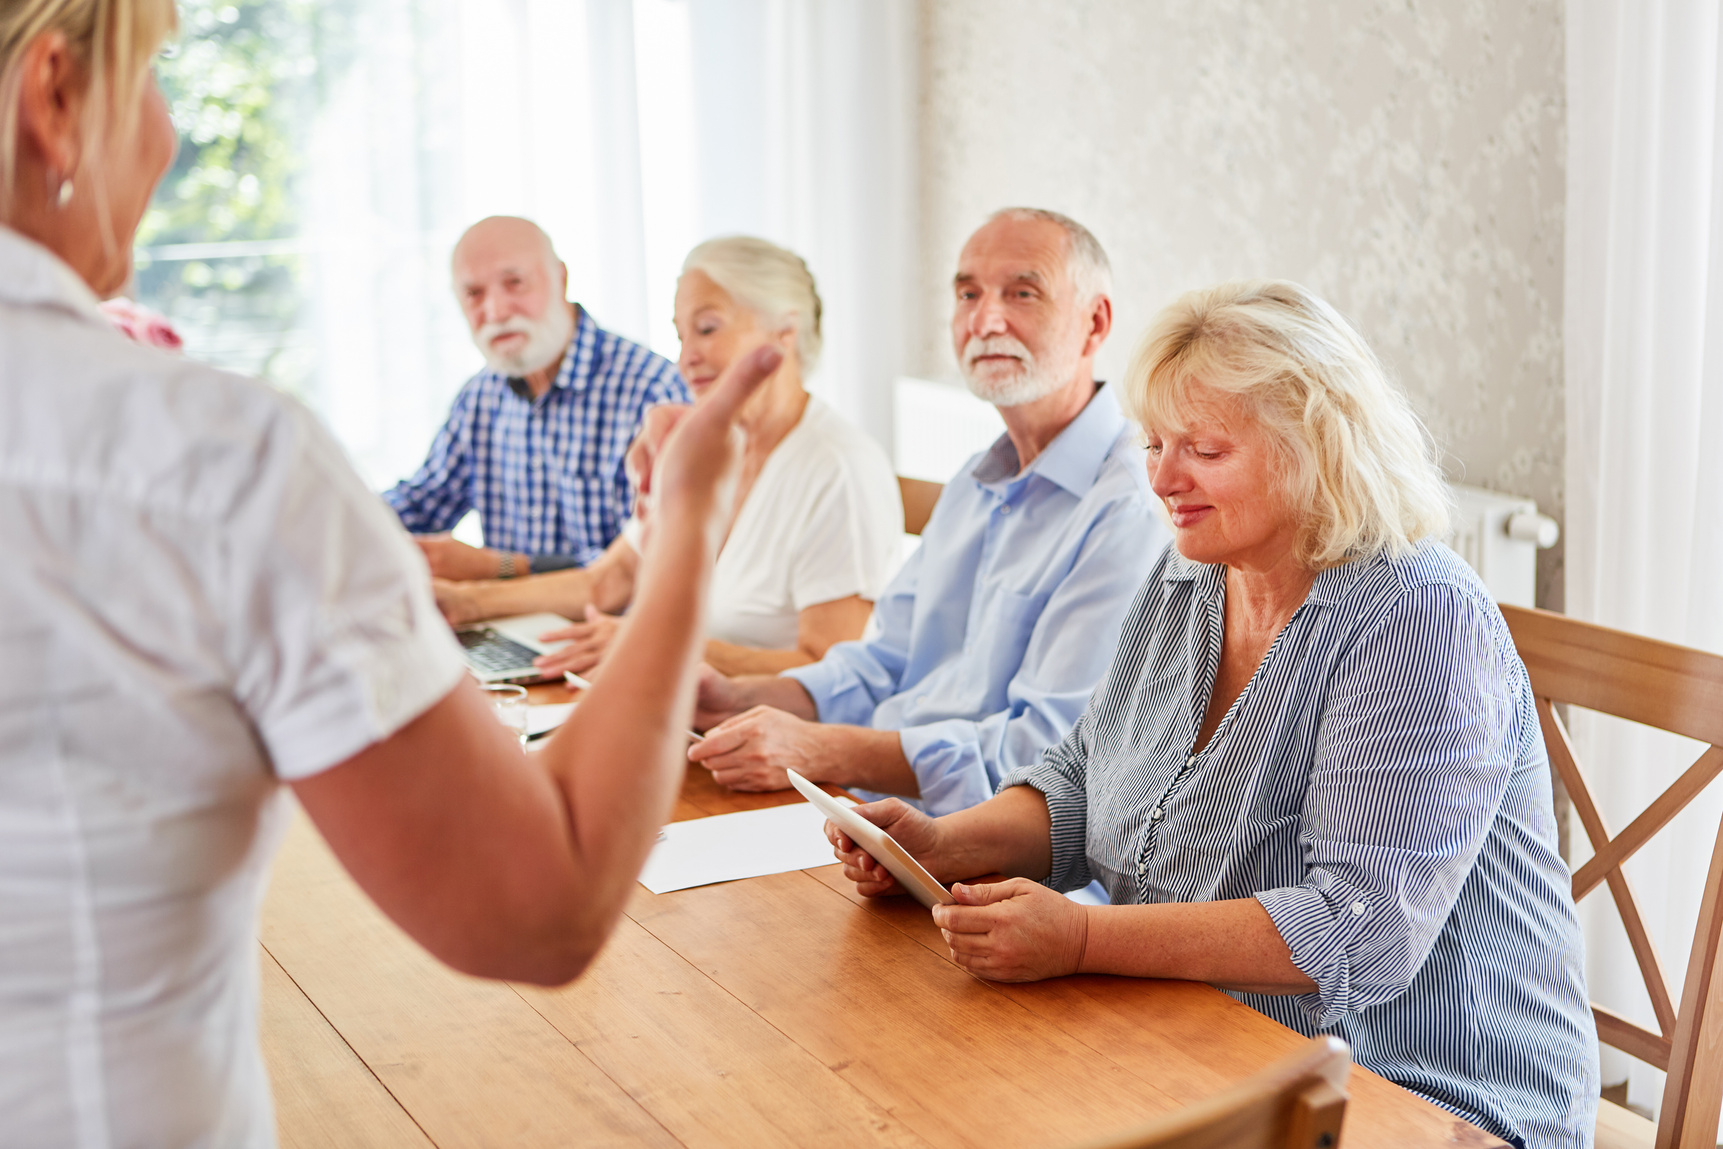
<point>994,633</point>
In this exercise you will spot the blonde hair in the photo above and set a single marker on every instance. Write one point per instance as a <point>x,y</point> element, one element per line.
<point>114,40</point>
<point>773,283</point>
<point>1351,448</point>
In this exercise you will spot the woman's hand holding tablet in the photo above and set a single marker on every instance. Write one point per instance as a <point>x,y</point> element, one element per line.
<point>877,861</point>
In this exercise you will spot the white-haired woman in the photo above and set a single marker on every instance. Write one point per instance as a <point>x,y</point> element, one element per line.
<point>819,515</point>
<point>200,602</point>
<point>1313,775</point>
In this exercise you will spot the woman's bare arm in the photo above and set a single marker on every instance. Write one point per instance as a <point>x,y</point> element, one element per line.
<point>818,628</point>
<point>513,866</point>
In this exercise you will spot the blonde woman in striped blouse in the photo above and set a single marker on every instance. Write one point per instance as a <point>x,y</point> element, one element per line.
<point>1313,776</point>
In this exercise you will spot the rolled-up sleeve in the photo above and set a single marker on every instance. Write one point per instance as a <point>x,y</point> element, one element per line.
<point>960,763</point>
<point>1062,775</point>
<point>853,678</point>
<point>441,491</point>
<point>1414,752</point>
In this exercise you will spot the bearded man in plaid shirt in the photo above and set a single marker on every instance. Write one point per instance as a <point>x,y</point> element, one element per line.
<point>535,442</point>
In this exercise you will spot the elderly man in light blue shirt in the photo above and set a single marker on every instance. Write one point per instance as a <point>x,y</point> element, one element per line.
<point>992,637</point>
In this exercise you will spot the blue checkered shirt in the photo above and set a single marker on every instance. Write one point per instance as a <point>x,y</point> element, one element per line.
<point>545,475</point>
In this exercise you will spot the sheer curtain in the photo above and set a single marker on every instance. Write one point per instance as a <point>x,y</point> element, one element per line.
<point>1644,362</point>
<point>629,129</point>
<point>804,114</point>
<point>448,111</point>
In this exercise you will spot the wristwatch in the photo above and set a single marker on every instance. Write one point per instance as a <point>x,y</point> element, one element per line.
<point>506,566</point>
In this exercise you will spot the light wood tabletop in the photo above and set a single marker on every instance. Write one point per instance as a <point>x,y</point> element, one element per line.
<point>777,1011</point>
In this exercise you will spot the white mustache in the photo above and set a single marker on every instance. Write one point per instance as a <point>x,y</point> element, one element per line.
<point>513,325</point>
<point>995,345</point>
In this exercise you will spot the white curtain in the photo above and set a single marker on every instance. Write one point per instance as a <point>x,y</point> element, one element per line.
<point>628,129</point>
<point>1644,362</point>
<point>447,111</point>
<point>804,115</point>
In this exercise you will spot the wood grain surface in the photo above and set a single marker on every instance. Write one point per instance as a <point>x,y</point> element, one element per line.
<point>777,1011</point>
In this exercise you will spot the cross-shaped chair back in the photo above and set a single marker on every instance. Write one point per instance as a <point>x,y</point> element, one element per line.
<point>1299,1102</point>
<point>1670,688</point>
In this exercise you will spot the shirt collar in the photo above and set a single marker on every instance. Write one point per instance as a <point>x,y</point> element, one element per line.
<point>1074,458</point>
<point>1330,587</point>
<point>33,276</point>
<point>582,348</point>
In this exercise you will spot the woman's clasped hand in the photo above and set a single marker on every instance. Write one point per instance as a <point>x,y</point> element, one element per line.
<point>1011,929</point>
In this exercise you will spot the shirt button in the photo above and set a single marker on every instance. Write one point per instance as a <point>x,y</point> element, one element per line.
<point>1155,813</point>
<point>1005,508</point>
<point>1357,907</point>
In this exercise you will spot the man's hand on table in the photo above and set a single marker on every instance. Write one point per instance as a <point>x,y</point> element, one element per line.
<point>458,601</point>
<point>752,750</point>
<point>450,559</point>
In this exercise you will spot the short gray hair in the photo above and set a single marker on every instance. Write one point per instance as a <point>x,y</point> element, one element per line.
<point>1085,258</point>
<point>773,283</point>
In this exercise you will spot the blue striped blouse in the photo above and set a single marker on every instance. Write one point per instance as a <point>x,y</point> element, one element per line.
<point>1381,787</point>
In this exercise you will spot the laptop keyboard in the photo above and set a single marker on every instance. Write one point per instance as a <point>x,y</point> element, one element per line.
<point>489,652</point>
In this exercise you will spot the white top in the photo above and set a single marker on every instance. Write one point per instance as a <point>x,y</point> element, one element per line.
<point>822,522</point>
<point>198,600</point>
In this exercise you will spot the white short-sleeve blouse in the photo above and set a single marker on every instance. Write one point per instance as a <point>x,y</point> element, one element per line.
<point>198,601</point>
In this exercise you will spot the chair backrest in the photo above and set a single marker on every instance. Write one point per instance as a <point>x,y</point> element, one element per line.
<point>919,495</point>
<point>1298,1102</point>
<point>1671,688</point>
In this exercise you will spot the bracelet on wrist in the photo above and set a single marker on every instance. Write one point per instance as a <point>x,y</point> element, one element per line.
<point>506,565</point>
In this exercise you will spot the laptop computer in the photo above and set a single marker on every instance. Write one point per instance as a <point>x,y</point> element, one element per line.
<point>502,649</point>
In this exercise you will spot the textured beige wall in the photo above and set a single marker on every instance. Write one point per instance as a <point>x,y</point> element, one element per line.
<point>1402,158</point>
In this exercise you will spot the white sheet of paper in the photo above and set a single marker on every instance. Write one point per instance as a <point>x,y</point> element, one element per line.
<point>542,718</point>
<point>726,847</point>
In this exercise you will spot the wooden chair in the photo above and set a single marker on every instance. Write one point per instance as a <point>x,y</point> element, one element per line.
<point>919,495</point>
<point>1680,690</point>
<point>1298,1102</point>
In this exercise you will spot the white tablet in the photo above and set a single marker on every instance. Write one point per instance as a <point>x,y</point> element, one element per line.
<point>877,842</point>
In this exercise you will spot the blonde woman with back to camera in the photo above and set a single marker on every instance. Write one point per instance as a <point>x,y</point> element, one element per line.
<point>1313,775</point>
<point>201,604</point>
<point>819,516</point>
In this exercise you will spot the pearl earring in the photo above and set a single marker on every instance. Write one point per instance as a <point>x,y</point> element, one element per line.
<point>64,196</point>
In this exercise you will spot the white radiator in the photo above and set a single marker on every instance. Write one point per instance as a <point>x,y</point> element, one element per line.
<point>1500,536</point>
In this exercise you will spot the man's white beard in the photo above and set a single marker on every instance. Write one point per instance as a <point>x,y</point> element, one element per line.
<point>1033,380</point>
<point>546,339</point>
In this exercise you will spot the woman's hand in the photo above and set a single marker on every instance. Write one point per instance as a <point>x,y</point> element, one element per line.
<point>716,698</point>
<point>685,458</point>
<point>587,642</point>
<point>655,427</point>
<point>909,827</point>
<point>1015,930</point>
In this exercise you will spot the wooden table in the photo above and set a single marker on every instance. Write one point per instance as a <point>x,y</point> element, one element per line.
<point>778,1011</point>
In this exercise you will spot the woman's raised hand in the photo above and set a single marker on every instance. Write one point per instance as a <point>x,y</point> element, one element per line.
<point>684,455</point>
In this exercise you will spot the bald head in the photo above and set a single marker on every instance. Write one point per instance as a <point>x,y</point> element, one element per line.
<point>513,290</point>
<point>503,237</point>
